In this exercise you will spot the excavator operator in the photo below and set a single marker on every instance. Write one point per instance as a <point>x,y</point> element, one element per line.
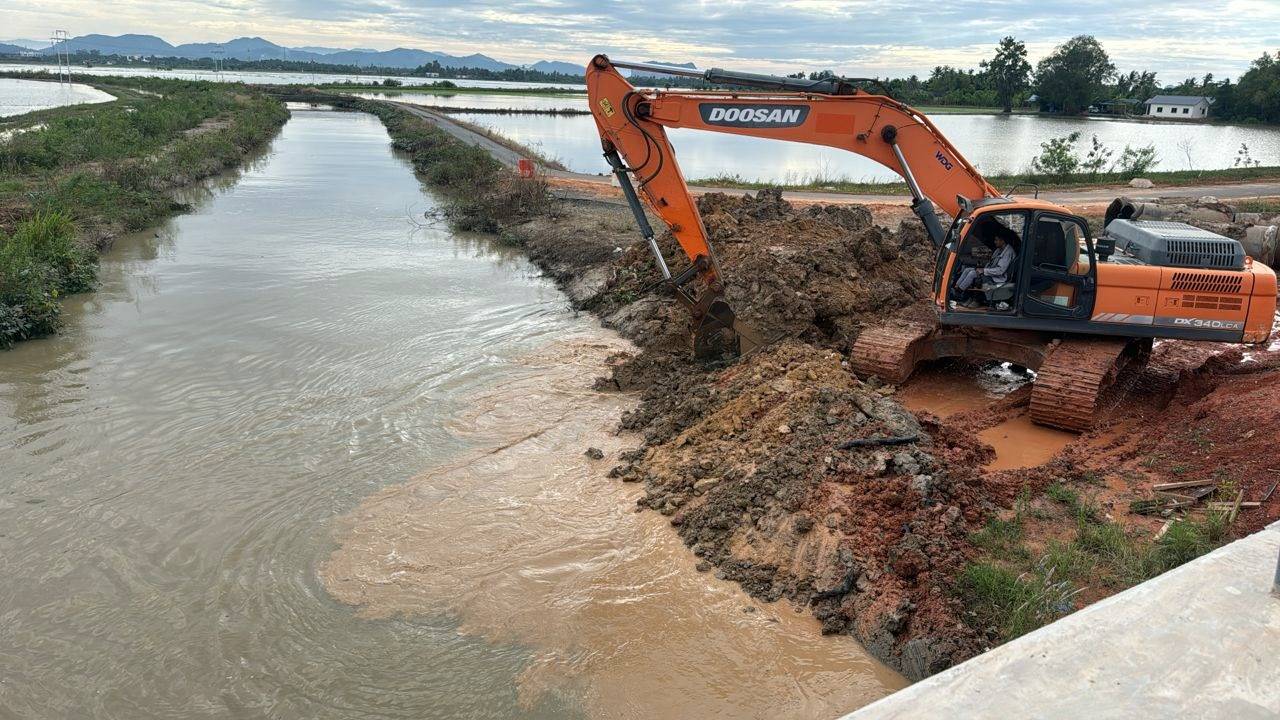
<point>996,272</point>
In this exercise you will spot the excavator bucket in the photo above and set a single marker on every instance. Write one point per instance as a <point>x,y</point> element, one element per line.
<point>720,332</point>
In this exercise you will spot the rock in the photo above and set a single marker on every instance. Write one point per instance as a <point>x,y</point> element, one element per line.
<point>1207,200</point>
<point>702,566</point>
<point>907,463</point>
<point>832,521</point>
<point>803,524</point>
<point>784,429</point>
<point>705,484</point>
<point>594,453</point>
<point>1141,184</point>
<point>922,484</point>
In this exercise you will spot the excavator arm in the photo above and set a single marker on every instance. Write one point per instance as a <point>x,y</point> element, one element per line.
<point>632,125</point>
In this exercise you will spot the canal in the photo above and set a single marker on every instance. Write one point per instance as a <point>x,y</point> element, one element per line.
<point>306,454</point>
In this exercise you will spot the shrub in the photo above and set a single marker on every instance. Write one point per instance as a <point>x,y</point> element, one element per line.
<point>1136,161</point>
<point>1057,156</point>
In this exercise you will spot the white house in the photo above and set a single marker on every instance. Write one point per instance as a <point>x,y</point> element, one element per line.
<point>1179,107</point>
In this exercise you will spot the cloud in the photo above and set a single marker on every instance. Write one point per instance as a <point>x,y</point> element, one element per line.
<point>1177,38</point>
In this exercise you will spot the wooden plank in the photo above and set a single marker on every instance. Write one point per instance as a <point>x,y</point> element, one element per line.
<point>1235,509</point>
<point>1183,484</point>
<point>1245,505</point>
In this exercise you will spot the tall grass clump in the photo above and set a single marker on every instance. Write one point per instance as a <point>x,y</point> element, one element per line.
<point>40,262</point>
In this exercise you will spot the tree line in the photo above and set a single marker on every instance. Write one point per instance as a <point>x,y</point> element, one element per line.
<point>1077,75</point>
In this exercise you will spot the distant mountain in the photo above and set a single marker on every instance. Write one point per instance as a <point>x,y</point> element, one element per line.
<point>117,45</point>
<point>319,50</point>
<point>29,44</point>
<point>256,48</point>
<point>10,49</point>
<point>246,48</point>
<point>555,66</point>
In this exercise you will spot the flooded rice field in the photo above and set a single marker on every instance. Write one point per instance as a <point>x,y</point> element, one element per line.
<point>995,143</point>
<point>18,97</point>
<point>307,455</point>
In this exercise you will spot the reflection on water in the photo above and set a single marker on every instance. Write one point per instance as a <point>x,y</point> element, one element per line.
<point>995,143</point>
<point>172,466</point>
<point>23,96</point>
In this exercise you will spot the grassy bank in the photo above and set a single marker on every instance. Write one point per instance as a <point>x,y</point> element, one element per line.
<point>1081,181</point>
<point>1053,554</point>
<point>84,174</point>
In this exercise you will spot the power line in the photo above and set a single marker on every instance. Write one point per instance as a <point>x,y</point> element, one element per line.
<point>59,44</point>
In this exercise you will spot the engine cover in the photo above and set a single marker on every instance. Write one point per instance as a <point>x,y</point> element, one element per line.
<point>1174,244</point>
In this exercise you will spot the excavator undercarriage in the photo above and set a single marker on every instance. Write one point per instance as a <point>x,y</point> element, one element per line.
<point>1071,372</point>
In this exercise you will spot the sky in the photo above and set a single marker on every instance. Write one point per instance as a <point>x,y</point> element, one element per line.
<point>1176,38</point>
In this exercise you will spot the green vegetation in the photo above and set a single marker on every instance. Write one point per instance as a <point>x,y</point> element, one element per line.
<point>1059,159</point>
<point>1009,71</point>
<point>39,262</point>
<point>1074,75</point>
<point>1009,589</point>
<point>90,172</point>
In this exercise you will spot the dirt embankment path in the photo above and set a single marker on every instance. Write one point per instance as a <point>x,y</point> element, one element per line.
<point>745,458</point>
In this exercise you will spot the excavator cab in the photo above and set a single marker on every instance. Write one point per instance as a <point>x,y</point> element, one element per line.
<point>1053,274</point>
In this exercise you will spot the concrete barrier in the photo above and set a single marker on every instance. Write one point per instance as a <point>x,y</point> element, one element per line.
<point>1200,641</point>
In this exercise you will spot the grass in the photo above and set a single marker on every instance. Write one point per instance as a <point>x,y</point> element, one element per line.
<point>93,171</point>
<point>1010,590</point>
<point>40,262</point>
<point>1269,206</point>
<point>842,184</point>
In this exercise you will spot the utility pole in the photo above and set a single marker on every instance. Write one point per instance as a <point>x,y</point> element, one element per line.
<point>59,43</point>
<point>217,63</point>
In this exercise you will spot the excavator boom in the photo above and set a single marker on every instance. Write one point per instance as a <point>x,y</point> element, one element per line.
<point>832,112</point>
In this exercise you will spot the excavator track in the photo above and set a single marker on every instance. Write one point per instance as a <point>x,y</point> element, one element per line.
<point>889,352</point>
<point>1073,376</point>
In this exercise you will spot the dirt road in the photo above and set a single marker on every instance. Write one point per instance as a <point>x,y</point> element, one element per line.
<point>585,184</point>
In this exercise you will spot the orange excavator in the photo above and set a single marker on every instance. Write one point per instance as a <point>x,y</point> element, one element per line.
<point>1073,308</point>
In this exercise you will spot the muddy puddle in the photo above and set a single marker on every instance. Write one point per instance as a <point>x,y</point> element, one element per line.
<point>303,456</point>
<point>950,389</point>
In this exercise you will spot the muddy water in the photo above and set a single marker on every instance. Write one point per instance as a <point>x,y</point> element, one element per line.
<point>301,457</point>
<point>947,390</point>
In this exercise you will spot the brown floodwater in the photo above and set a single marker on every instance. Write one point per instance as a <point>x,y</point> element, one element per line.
<point>307,455</point>
<point>948,389</point>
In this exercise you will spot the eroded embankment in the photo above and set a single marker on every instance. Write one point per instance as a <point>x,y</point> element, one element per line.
<point>893,545</point>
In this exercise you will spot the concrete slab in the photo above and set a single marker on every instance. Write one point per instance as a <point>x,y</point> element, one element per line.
<point>1201,641</point>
